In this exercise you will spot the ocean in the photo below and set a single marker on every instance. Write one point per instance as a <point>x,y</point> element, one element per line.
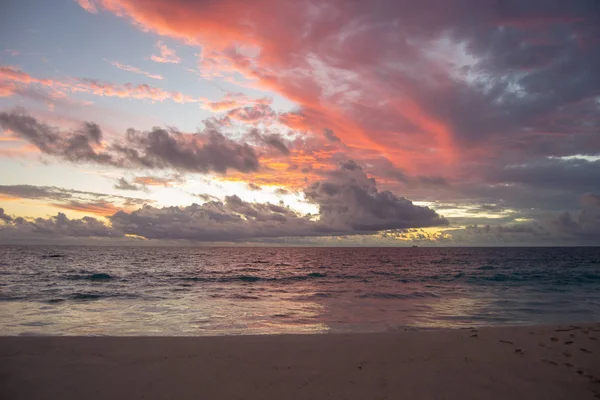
<point>197,291</point>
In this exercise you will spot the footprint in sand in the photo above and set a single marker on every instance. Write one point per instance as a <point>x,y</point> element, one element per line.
<point>586,350</point>
<point>519,351</point>
<point>569,342</point>
<point>554,339</point>
<point>506,341</point>
<point>569,365</point>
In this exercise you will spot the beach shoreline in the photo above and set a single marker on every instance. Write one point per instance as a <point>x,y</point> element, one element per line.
<point>523,362</point>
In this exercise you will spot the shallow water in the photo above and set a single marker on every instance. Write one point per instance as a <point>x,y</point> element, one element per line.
<point>61,290</point>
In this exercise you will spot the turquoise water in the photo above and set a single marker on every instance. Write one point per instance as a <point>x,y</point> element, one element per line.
<point>214,291</point>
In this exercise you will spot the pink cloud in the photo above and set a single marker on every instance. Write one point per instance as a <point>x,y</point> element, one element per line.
<point>167,55</point>
<point>234,100</point>
<point>10,75</point>
<point>88,5</point>
<point>135,70</point>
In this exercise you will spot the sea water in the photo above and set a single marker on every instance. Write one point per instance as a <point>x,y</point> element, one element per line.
<point>75,290</point>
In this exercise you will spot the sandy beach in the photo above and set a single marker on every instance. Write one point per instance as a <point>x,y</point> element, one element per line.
<point>555,362</point>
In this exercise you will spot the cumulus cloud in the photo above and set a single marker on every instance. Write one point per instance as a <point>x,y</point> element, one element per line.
<point>350,198</point>
<point>349,204</point>
<point>230,220</point>
<point>161,149</point>
<point>56,227</point>
<point>208,151</point>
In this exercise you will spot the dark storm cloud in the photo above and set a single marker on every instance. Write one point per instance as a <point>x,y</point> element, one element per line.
<point>76,146</point>
<point>350,198</point>
<point>577,175</point>
<point>229,220</point>
<point>584,223</point>
<point>162,149</point>
<point>208,151</point>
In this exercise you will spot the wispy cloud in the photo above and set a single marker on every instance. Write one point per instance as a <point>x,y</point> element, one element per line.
<point>14,81</point>
<point>135,70</point>
<point>167,55</point>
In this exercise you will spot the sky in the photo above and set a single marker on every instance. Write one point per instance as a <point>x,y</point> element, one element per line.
<point>311,123</point>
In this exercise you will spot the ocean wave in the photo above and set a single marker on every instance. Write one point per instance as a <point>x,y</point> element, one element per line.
<point>399,296</point>
<point>253,278</point>
<point>86,296</point>
<point>100,276</point>
<point>244,297</point>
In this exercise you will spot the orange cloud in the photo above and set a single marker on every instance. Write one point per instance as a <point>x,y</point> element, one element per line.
<point>101,208</point>
<point>157,181</point>
<point>234,100</point>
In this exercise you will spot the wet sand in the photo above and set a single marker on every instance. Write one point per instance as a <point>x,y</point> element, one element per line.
<point>555,362</point>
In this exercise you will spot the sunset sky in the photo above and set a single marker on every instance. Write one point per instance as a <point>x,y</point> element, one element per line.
<point>304,122</point>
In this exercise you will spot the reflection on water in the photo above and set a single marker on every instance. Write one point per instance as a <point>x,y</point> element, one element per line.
<point>215,291</point>
<point>167,317</point>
